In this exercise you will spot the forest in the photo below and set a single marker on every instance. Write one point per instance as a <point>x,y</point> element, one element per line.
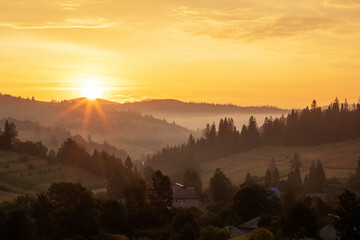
<point>138,203</point>
<point>308,127</point>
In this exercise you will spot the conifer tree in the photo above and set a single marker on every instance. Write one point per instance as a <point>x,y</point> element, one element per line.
<point>268,178</point>
<point>128,163</point>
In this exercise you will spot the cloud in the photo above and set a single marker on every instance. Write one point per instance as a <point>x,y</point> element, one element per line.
<point>343,3</point>
<point>250,27</point>
<point>290,26</point>
<point>66,23</point>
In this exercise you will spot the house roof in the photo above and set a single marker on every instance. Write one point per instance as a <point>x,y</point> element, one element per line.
<point>182,192</point>
<point>251,224</point>
<point>328,233</point>
<point>236,232</point>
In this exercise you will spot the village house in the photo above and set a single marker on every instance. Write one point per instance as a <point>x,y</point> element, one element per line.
<point>184,196</point>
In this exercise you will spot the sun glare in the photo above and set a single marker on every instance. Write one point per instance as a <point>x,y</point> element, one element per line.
<point>91,88</point>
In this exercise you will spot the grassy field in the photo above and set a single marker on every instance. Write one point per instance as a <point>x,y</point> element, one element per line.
<point>339,160</point>
<point>36,175</point>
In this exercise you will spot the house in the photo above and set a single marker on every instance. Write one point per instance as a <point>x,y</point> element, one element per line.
<point>184,196</point>
<point>235,232</point>
<point>328,233</point>
<point>251,224</point>
<point>244,229</point>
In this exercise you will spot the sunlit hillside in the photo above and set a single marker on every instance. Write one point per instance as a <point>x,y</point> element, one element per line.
<point>136,133</point>
<point>32,175</point>
<point>339,160</point>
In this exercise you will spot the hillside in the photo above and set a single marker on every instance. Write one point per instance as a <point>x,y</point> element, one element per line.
<point>339,159</point>
<point>136,133</point>
<point>196,115</point>
<point>52,138</point>
<point>36,175</point>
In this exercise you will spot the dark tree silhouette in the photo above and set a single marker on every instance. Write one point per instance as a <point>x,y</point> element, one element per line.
<point>220,187</point>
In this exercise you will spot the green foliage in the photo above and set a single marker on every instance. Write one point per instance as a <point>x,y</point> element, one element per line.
<point>213,233</point>
<point>347,221</point>
<point>30,148</point>
<point>300,221</point>
<point>220,187</point>
<point>251,201</point>
<point>8,136</point>
<point>272,175</point>
<point>128,163</point>
<point>161,196</point>
<point>112,216</point>
<point>185,223</point>
<point>73,154</point>
<point>74,209</point>
<point>261,234</point>
<point>192,179</point>
<point>316,180</point>
<point>42,211</point>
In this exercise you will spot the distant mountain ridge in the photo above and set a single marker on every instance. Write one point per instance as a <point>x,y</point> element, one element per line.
<point>177,106</point>
<point>137,133</point>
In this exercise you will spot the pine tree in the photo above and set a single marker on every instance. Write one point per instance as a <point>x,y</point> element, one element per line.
<point>128,163</point>
<point>220,187</point>
<point>268,178</point>
<point>320,178</point>
<point>294,177</point>
<point>8,136</point>
<point>248,178</point>
<point>276,177</point>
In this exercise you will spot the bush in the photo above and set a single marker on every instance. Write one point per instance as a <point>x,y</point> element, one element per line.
<point>261,234</point>
<point>213,233</point>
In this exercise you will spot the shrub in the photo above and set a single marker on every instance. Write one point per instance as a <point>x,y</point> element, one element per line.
<point>261,234</point>
<point>213,233</point>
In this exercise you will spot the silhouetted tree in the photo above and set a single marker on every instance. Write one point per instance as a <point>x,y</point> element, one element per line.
<point>347,221</point>
<point>8,136</point>
<point>192,179</point>
<point>74,209</point>
<point>128,163</point>
<point>251,201</point>
<point>220,187</point>
<point>160,195</point>
<point>300,222</point>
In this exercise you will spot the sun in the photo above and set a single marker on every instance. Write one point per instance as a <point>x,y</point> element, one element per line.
<point>91,88</point>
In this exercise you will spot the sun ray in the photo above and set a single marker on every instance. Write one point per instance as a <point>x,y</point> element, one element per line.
<point>67,111</point>
<point>87,114</point>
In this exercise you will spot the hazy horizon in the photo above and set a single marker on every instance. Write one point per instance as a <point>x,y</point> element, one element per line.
<point>283,53</point>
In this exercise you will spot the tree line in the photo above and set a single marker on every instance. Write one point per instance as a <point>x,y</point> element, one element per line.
<point>307,127</point>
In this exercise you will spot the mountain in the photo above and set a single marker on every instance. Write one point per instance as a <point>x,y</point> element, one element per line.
<point>52,138</point>
<point>196,115</point>
<point>137,133</point>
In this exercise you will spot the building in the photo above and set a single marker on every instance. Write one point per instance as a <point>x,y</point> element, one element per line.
<point>235,232</point>
<point>184,196</point>
<point>328,233</point>
<point>251,224</point>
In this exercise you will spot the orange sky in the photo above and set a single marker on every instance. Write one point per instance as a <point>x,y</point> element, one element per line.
<point>247,52</point>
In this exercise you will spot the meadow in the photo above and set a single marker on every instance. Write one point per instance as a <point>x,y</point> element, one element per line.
<point>34,175</point>
<point>339,160</point>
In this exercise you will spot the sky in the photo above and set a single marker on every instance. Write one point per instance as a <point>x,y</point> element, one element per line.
<point>245,52</point>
